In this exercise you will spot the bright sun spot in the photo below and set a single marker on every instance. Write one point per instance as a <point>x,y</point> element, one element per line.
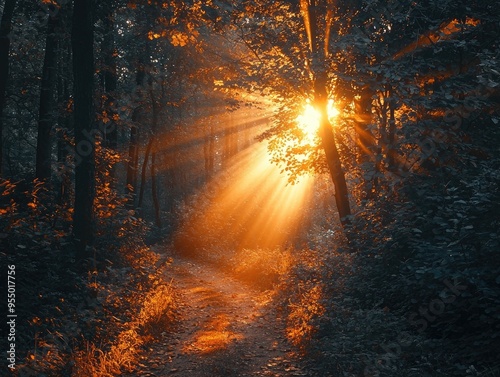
<point>308,122</point>
<point>333,112</point>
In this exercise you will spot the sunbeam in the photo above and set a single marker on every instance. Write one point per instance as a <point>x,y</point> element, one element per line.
<point>253,205</point>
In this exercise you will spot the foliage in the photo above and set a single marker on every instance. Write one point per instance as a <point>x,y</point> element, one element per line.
<point>420,276</point>
<point>68,310</point>
<point>115,221</point>
<point>148,306</point>
<point>260,267</point>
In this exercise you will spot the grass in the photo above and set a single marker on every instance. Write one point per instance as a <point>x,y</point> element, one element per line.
<point>260,267</point>
<point>156,316</point>
<point>140,306</point>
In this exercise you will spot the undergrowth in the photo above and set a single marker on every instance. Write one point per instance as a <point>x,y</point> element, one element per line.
<point>77,324</point>
<point>112,357</point>
<point>412,292</point>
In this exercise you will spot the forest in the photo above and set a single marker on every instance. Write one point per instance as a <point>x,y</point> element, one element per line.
<point>250,188</point>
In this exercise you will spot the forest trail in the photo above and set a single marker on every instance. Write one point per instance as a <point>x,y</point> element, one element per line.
<point>226,328</point>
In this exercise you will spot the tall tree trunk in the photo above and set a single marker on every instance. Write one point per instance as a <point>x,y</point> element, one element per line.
<point>5,29</point>
<point>154,190</point>
<point>366,141</point>
<point>110,79</point>
<point>319,50</point>
<point>331,152</point>
<point>368,157</point>
<point>62,155</point>
<point>133,158</point>
<point>391,136</point>
<point>226,148</point>
<point>154,178</point>
<point>209,149</point>
<point>133,150</point>
<point>144,169</point>
<point>47,102</point>
<point>83,70</point>
<point>64,122</point>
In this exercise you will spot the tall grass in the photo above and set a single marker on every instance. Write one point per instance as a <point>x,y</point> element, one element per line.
<point>156,315</point>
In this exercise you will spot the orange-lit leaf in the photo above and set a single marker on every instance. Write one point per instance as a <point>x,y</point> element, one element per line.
<point>179,39</point>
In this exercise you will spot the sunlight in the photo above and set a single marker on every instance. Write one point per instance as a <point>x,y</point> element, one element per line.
<point>444,32</point>
<point>264,210</point>
<point>251,204</point>
<point>309,120</point>
<point>333,112</point>
<point>214,336</point>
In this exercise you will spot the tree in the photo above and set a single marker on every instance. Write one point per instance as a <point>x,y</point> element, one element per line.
<point>5,29</point>
<point>133,150</point>
<point>83,71</point>
<point>47,99</point>
<point>64,120</point>
<point>317,14</point>
<point>109,76</point>
<point>284,54</point>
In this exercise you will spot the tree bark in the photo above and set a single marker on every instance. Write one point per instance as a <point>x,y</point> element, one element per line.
<point>154,190</point>
<point>391,136</point>
<point>366,140</point>
<point>144,169</point>
<point>209,149</point>
<point>133,158</point>
<point>110,79</point>
<point>47,102</point>
<point>133,150</point>
<point>331,152</point>
<point>64,121</point>
<point>319,50</point>
<point>154,178</point>
<point>5,29</point>
<point>82,38</point>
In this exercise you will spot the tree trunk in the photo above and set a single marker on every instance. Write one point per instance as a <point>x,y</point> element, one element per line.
<point>154,179</point>
<point>391,136</point>
<point>226,148</point>
<point>143,172</point>
<point>319,52</point>
<point>209,149</point>
<point>366,140</point>
<point>110,80</point>
<point>64,123</point>
<point>154,190</point>
<point>133,158</point>
<point>82,38</point>
<point>133,150</point>
<point>331,152</point>
<point>5,29</point>
<point>47,102</point>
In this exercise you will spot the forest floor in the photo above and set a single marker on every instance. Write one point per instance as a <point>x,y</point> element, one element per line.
<point>225,328</point>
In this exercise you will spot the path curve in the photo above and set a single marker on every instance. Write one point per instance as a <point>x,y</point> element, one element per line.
<point>226,328</point>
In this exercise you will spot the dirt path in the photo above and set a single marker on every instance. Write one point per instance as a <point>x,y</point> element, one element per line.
<point>226,329</point>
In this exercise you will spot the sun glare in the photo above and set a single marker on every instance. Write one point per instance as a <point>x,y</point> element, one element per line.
<point>309,121</point>
<point>333,112</point>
